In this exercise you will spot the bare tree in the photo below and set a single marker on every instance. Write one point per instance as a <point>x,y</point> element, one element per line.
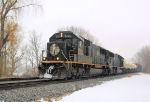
<point>9,10</point>
<point>23,62</point>
<point>81,32</point>
<point>26,56</point>
<point>136,58</point>
<point>35,49</point>
<point>12,51</point>
<point>11,29</point>
<point>143,57</point>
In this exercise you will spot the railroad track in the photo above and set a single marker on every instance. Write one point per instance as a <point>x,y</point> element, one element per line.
<point>7,85</point>
<point>15,79</point>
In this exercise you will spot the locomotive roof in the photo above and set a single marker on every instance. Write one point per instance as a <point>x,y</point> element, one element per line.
<point>67,32</point>
<point>70,32</point>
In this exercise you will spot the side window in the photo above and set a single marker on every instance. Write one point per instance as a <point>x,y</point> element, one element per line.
<point>81,44</point>
<point>51,40</point>
<point>98,53</point>
<point>75,42</point>
<point>68,41</point>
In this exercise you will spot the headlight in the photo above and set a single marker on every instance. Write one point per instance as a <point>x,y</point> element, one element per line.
<point>44,58</point>
<point>57,58</point>
<point>40,63</point>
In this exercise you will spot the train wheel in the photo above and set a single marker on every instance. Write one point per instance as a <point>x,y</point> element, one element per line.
<point>66,77</point>
<point>79,76</point>
<point>73,77</point>
<point>109,72</point>
<point>103,73</point>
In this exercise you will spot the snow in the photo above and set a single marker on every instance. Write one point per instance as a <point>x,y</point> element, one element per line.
<point>129,89</point>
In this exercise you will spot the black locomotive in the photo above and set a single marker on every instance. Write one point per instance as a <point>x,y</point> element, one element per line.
<point>72,56</point>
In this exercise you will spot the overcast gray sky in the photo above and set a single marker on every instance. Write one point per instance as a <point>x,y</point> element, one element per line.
<point>122,26</point>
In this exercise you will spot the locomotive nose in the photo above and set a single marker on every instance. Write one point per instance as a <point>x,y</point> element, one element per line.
<point>48,73</point>
<point>56,50</point>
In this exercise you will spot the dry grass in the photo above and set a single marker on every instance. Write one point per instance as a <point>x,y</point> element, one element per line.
<point>57,98</point>
<point>43,99</point>
<point>129,75</point>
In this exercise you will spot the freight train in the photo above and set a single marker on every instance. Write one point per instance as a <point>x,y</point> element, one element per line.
<point>71,56</point>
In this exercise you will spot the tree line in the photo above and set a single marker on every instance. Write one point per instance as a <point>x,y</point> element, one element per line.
<point>11,52</point>
<point>143,57</point>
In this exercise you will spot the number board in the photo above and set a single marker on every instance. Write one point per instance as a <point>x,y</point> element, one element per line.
<point>62,35</point>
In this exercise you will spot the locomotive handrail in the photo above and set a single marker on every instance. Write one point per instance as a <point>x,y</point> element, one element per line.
<point>64,55</point>
<point>70,55</point>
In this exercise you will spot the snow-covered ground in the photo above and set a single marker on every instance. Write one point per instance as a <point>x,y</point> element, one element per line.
<point>130,89</point>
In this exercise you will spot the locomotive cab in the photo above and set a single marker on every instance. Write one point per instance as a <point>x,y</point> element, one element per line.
<point>63,45</point>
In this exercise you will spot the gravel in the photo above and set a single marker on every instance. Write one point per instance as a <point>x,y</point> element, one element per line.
<point>31,94</point>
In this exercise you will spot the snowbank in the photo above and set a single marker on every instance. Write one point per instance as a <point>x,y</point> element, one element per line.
<point>130,89</point>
